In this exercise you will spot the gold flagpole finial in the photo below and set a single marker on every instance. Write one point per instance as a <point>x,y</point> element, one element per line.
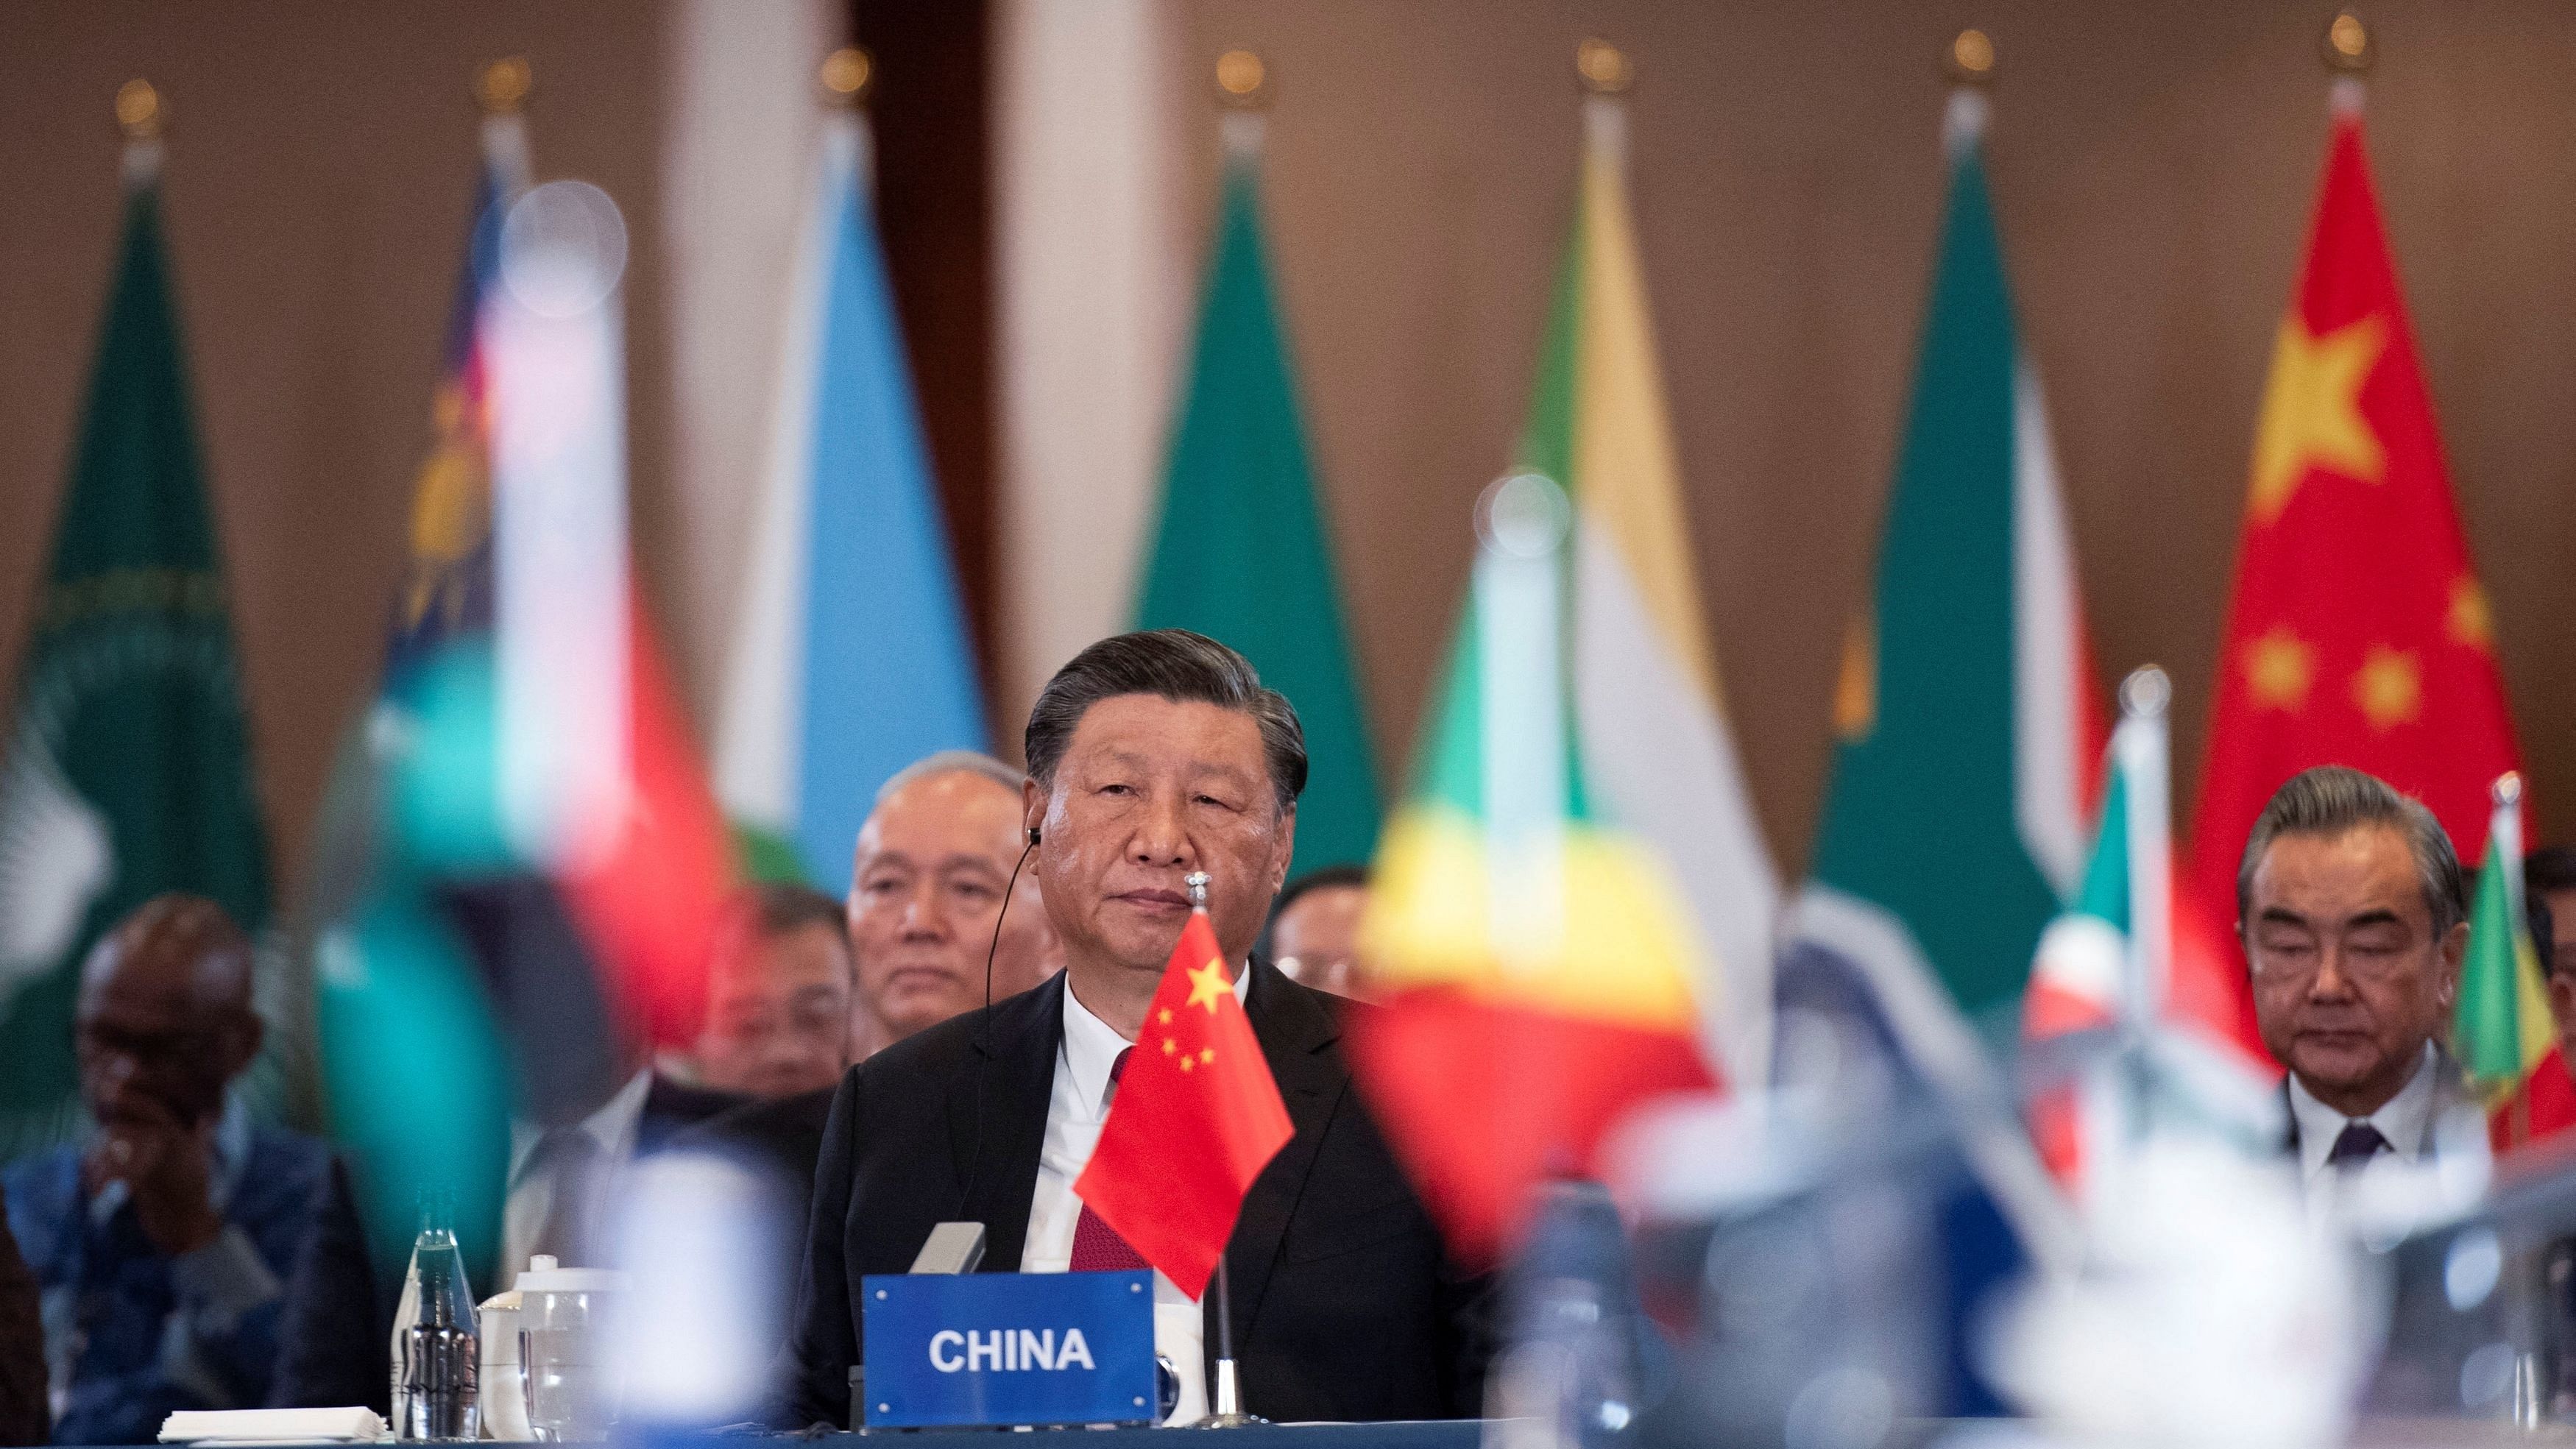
<point>1604,69</point>
<point>2508,788</point>
<point>140,112</point>
<point>1242,81</point>
<point>2348,47</point>
<point>847,76</point>
<point>501,88</point>
<point>1970,60</point>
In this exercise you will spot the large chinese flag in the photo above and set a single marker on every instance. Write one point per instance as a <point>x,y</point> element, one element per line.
<point>2357,634</point>
<point>1196,1118</point>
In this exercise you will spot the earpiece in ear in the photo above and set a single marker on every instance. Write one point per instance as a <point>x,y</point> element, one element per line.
<point>1033,835</point>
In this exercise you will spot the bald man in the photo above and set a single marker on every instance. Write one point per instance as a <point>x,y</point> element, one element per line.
<point>187,1258</point>
<point>934,860</point>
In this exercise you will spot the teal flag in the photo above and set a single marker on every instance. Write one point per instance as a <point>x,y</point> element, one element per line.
<point>1240,553</point>
<point>1969,729</point>
<point>127,767</point>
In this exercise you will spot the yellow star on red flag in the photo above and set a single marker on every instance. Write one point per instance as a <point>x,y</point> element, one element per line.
<point>1207,983</point>
<point>2312,411</point>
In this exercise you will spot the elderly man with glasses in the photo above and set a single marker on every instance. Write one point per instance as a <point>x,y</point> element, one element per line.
<point>2354,916</point>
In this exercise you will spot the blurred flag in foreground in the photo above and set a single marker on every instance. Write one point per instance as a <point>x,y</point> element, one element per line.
<point>545,772</point>
<point>1196,1118</point>
<point>1241,553</point>
<point>2357,633</point>
<point>2501,1029</point>
<point>1536,963</point>
<point>2129,954</point>
<point>445,595</point>
<point>1970,735</point>
<point>126,771</point>
<point>409,1071</point>
<point>1657,755</point>
<point>851,658</point>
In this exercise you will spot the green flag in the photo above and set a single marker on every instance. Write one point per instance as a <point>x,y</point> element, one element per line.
<point>2501,1028</point>
<point>1954,824</point>
<point>1240,553</point>
<point>127,766</point>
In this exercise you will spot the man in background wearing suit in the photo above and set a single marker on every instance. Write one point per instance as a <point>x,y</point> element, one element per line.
<point>2355,920</point>
<point>1151,756</point>
<point>934,858</point>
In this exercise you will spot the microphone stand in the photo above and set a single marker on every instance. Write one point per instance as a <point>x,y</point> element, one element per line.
<point>1225,1397</point>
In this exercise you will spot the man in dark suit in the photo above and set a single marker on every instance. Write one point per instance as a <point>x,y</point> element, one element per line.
<point>2355,920</point>
<point>1151,756</point>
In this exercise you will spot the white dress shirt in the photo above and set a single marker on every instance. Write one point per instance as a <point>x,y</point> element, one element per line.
<point>1075,1113</point>
<point>533,1188</point>
<point>2406,1120</point>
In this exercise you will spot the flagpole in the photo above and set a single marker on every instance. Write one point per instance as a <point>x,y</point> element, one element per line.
<point>2505,850</point>
<point>1970,64</point>
<point>2348,53</point>
<point>501,91</point>
<point>1243,92</point>
<point>1225,1401</point>
<point>141,115</point>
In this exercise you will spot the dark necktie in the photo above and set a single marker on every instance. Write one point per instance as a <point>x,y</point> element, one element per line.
<point>1097,1248</point>
<point>2356,1144</point>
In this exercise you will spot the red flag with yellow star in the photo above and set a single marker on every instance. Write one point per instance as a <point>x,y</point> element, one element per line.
<point>2357,634</point>
<point>1196,1118</point>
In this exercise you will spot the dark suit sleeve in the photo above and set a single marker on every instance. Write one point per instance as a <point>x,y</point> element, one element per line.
<point>332,1348</point>
<point>1468,1304</point>
<point>823,1345</point>
<point>25,1418</point>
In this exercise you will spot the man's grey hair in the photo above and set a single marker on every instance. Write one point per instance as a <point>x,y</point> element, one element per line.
<point>953,762</point>
<point>1176,665</point>
<point>2331,799</point>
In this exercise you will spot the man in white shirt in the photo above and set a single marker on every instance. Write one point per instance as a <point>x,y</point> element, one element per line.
<point>2355,920</point>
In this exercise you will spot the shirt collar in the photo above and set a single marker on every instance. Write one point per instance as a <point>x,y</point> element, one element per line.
<point>2406,1119</point>
<point>1091,1046</point>
<point>613,1126</point>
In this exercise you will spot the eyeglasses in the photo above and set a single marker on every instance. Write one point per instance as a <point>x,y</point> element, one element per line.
<point>2298,962</point>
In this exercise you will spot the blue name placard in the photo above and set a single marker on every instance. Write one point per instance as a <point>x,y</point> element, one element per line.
<point>1009,1348</point>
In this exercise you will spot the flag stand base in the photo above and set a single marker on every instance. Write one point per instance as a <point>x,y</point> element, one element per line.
<point>1229,1403</point>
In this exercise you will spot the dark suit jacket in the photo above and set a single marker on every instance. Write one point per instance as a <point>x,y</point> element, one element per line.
<point>25,1417</point>
<point>672,1107</point>
<point>782,1137</point>
<point>1345,1304</point>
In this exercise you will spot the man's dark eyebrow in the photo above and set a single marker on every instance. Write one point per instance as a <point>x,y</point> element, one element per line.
<point>2383,916</point>
<point>2280,915</point>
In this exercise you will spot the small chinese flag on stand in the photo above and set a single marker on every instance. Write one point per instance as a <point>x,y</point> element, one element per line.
<point>1196,1118</point>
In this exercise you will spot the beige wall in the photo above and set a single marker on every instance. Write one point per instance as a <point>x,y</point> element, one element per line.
<point>2153,163</point>
<point>321,161</point>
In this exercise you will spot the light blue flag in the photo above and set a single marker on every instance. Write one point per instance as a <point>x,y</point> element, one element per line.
<point>851,658</point>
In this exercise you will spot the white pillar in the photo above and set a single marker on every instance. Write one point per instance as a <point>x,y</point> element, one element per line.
<point>743,115</point>
<point>1093,279</point>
